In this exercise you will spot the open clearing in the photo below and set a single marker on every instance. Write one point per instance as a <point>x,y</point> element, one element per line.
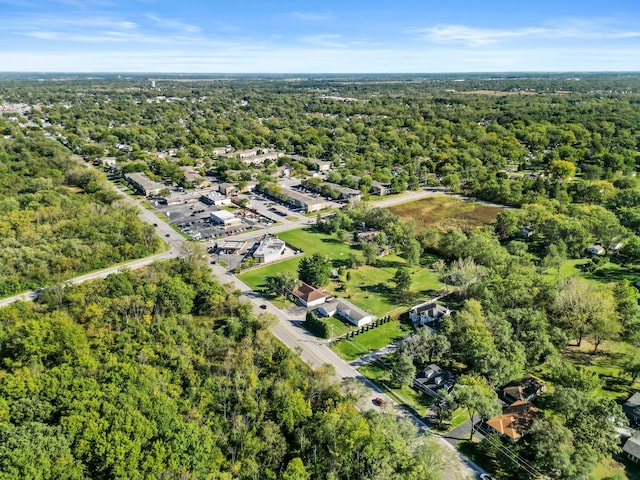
<point>446,212</point>
<point>369,287</point>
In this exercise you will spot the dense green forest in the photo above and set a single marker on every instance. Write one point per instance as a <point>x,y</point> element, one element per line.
<point>164,373</point>
<point>59,219</point>
<point>208,391</point>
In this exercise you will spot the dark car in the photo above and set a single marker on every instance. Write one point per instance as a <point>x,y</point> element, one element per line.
<point>263,306</point>
<point>378,401</point>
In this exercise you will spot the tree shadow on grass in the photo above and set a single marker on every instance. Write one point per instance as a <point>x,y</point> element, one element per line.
<point>383,263</point>
<point>331,240</point>
<point>615,384</point>
<point>615,275</point>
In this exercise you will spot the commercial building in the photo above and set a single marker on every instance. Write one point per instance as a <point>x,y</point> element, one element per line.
<point>215,198</point>
<point>306,202</point>
<point>144,184</point>
<point>269,250</point>
<point>228,219</point>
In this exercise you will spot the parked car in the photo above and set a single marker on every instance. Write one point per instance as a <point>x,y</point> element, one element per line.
<point>263,306</point>
<point>378,401</point>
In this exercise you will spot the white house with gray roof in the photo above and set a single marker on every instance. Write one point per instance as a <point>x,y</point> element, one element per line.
<point>345,310</point>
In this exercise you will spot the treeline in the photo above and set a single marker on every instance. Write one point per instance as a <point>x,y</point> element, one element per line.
<point>163,373</point>
<point>434,131</point>
<point>59,219</point>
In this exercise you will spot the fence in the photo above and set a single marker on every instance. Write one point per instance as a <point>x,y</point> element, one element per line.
<point>362,329</point>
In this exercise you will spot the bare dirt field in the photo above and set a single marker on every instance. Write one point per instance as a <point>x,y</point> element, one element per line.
<point>495,93</point>
<point>446,212</point>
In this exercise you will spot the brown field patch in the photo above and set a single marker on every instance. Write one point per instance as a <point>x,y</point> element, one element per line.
<point>446,212</point>
<point>495,93</point>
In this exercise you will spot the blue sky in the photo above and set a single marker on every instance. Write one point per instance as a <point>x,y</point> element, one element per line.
<point>282,36</point>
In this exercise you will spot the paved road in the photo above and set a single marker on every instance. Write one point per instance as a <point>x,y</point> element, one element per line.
<point>288,330</point>
<point>317,353</point>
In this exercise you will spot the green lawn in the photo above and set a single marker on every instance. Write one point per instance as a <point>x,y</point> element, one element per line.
<point>609,272</point>
<point>338,327</point>
<point>312,242</point>
<point>369,287</point>
<point>371,340</point>
<point>255,278</point>
<point>619,468</point>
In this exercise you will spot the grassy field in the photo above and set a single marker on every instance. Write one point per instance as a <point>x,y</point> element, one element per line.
<point>311,242</point>
<point>447,212</point>
<point>338,327</point>
<point>368,287</point>
<point>619,468</point>
<point>609,272</point>
<point>371,340</point>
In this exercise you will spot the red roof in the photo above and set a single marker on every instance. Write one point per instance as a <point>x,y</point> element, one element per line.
<point>307,293</point>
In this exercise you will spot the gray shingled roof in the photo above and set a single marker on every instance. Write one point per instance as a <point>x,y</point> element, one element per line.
<point>632,447</point>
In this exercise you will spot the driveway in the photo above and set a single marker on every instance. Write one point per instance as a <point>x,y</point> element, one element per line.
<point>461,432</point>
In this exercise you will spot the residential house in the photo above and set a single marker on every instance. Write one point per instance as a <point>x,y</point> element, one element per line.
<point>314,163</point>
<point>242,154</point>
<point>260,159</point>
<point>228,219</point>
<point>309,296</point>
<point>144,184</point>
<point>247,186</point>
<point>525,390</point>
<point>381,189</point>
<point>222,150</point>
<point>632,448</point>
<point>284,171</point>
<point>428,314</point>
<point>515,422</point>
<point>346,310</point>
<point>106,161</point>
<point>631,408</point>
<point>368,236</point>
<point>193,177</point>
<point>433,380</point>
<point>346,193</point>
<point>227,188</point>
<point>596,250</point>
<point>269,250</point>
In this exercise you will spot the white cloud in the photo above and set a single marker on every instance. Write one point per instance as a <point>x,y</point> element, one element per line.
<point>325,40</point>
<point>174,24</point>
<point>311,16</point>
<point>475,36</point>
<point>559,29</point>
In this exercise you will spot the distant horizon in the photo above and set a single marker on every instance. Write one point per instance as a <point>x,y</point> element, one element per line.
<point>337,74</point>
<point>407,36</point>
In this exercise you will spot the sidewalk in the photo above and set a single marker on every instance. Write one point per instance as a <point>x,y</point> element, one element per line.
<point>370,357</point>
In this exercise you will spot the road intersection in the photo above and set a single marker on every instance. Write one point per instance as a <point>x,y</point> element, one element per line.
<point>286,329</point>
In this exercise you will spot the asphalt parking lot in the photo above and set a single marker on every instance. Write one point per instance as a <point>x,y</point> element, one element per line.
<point>194,219</point>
